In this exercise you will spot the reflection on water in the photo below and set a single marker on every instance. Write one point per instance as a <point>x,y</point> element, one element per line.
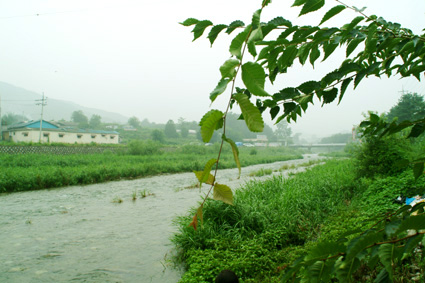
<point>79,234</point>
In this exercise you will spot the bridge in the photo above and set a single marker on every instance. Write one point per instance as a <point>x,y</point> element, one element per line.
<point>319,145</point>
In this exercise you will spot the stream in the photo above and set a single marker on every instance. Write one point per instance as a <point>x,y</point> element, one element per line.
<point>84,234</point>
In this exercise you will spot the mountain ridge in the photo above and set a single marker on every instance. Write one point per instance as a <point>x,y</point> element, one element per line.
<point>17,100</point>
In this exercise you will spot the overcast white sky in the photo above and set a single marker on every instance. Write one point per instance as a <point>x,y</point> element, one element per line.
<point>132,57</point>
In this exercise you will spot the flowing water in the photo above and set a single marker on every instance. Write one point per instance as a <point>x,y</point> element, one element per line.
<point>83,234</point>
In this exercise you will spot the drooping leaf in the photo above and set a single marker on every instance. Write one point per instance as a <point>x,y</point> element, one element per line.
<point>209,123</point>
<point>236,44</point>
<point>344,86</point>
<point>383,277</point>
<point>386,255</point>
<point>200,176</point>
<point>311,6</point>
<point>274,111</point>
<point>212,35</point>
<point>219,89</point>
<point>332,12</point>
<point>359,243</point>
<point>303,52</point>
<point>189,22</point>
<point>299,3</point>
<point>194,222</point>
<point>314,54</point>
<point>204,176</point>
<point>288,56</point>
<point>199,28</point>
<point>360,75</point>
<point>254,78</point>
<point>344,268</point>
<point>329,48</point>
<point>235,151</point>
<point>223,193</point>
<point>251,114</point>
<point>227,70</point>
<point>352,46</point>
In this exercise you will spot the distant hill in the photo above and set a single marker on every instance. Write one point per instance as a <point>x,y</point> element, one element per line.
<point>20,101</point>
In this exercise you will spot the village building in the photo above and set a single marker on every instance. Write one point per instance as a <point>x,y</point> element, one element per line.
<point>54,133</point>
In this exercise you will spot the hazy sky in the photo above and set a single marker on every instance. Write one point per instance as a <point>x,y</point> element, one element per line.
<point>132,57</point>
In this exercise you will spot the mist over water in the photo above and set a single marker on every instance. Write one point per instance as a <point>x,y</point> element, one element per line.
<point>80,234</point>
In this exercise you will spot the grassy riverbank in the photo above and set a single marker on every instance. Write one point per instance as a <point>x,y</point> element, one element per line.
<point>41,171</point>
<point>275,222</point>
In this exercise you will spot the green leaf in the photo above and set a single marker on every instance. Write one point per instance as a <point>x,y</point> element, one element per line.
<point>348,67</point>
<point>199,28</point>
<point>344,269</point>
<point>288,56</point>
<point>233,25</point>
<point>314,54</point>
<point>223,193</point>
<point>251,48</point>
<point>236,44</point>
<point>204,176</point>
<point>274,111</point>
<point>227,70</point>
<point>383,277</point>
<point>309,87</point>
<point>299,3</point>
<point>386,255</point>
<point>303,52</point>
<point>254,77</point>
<point>209,123</point>
<point>359,243</point>
<point>411,244</point>
<point>418,169</point>
<point>354,23</point>
<point>329,95</point>
<point>219,89</point>
<point>235,151</point>
<point>207,179</point>
<point>286,93</point>
<point>332,12</point>
<point>311,6</point>
<point>360,75</point>
<point>251,114</point>
<point>189,22</point>
<point>329,48</point>
<point>214,32</point>
<point>344,86</point>
<point>352,46</point>
<point>417,130</point>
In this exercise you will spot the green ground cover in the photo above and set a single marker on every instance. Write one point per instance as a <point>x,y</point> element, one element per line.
<point>40,171</point>
<point>273,223</point>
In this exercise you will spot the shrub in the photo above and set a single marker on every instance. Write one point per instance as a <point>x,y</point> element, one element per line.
<point>379,156</point>
<point>143,148</point>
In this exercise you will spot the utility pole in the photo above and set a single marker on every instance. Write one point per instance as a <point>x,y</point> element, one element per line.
<point>42,103</point>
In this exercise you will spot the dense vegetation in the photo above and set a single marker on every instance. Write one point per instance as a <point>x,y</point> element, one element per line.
<point>275,222</point>
<point>40,171</point>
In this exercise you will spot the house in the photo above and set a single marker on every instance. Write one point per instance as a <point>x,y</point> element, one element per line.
<point>53,133</point>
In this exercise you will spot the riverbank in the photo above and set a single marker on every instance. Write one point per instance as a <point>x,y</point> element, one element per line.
<point>43,171</point>
<point>84,233</point>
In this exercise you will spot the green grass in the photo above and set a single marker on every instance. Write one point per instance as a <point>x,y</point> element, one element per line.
<point>267,226</point>
<point>40,171</point>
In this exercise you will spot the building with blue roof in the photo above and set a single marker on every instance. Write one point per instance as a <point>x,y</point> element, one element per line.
<point>54,133</point>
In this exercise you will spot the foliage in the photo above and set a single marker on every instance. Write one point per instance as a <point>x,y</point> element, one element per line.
<point>134,122</point>
<point>380,156</point>
<point>410,106</point>
<point>170,130</point>
<point>143,148</point>
<point>40,171</point>
<point>80,118</point>
<point>95,121</point>
<point>373,47</point>
<point>158,136</point>
<point>255,234</point>
<point>337,138</point>
<point>10,119</point>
